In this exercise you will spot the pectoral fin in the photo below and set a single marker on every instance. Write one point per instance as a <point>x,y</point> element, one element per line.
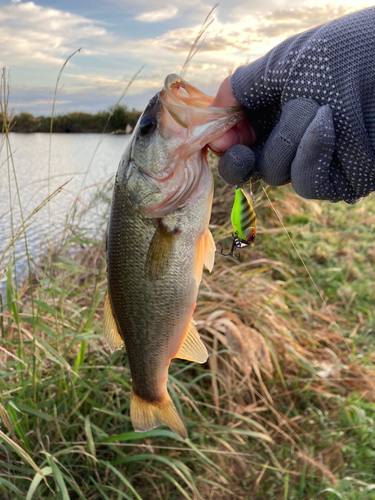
<point>111,333</point>
<point>159,253</point>
<point>209,250</point>
<point>205,255</point>
<point>192,347</point>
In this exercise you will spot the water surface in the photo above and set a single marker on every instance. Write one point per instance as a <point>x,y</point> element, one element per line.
<point>72,157</point>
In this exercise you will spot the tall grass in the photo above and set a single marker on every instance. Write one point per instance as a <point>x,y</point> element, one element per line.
<point>284,407</point>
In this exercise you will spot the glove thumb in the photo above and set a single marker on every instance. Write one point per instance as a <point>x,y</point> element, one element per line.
<point>236,165</point>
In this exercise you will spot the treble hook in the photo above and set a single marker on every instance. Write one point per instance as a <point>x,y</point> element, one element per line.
<point>231,250</point>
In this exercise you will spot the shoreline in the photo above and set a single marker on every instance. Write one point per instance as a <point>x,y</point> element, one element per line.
<point>120,120</point>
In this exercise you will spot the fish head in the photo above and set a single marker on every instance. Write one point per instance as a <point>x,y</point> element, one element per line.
<point>147,145</point>
<point>168,143</point>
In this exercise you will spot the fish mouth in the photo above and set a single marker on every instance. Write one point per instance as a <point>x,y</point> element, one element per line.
<point>187,123</point>
<point>180,92</point>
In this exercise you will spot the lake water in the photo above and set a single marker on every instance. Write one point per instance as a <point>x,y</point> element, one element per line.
<point>72,156</point>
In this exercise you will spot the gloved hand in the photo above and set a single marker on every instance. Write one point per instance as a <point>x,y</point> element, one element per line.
<point>311,107</point>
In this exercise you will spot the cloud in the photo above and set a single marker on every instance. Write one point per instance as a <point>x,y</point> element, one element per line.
<point>33,35</point>
<point>156,16</point>
<point>36,41</point>
<point>312,16</point>
<point>291,21</point>
<point>147,6</point>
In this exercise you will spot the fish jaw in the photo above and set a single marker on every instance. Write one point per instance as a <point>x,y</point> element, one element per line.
<point>170,156</point>
<point>192,117</point>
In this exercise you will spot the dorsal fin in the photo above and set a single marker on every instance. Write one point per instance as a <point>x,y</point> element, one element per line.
<point>110,330</point>
<point>192,347</point>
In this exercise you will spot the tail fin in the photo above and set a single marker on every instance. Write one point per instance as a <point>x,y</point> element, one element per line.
<point>146,416</point>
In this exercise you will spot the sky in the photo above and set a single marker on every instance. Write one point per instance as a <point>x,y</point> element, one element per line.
<point>119,37</point>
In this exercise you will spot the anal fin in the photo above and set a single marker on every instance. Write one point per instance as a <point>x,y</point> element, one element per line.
<point>192,347</point>
<point>110,330</point>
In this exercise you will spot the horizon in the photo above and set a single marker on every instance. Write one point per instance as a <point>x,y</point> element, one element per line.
<point>63,113</point>
<point>119,37</point>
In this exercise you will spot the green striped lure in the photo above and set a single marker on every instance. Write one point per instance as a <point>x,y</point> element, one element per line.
<point>243,220</point>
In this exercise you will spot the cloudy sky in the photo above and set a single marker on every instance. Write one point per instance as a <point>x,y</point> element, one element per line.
<point>118,37</point>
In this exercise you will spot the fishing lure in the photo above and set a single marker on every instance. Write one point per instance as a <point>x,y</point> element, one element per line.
<point>243,220</point>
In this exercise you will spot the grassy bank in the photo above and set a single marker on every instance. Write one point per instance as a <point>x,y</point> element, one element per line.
<point>283,409</point>
<point>119,119</point>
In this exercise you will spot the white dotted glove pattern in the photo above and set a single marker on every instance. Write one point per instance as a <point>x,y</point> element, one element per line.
<point>311,102</point>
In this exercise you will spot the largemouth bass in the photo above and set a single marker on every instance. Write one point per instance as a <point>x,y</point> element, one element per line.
<point>158,241</point>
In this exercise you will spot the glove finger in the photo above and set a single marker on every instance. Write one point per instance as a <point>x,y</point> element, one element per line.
<point>236,164</point>
<point>281,146</point>
<point>313,172</point>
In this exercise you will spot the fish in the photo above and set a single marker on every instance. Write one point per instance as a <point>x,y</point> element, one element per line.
<point>158,241</point>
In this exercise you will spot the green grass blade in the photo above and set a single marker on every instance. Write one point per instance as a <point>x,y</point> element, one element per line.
<point>59,478</point>
<point>17,419</point>
<point>122,478</point>
<point>173,481</point>
<point>133,436</point>
<point>89,435</point>
<point>35,413</point>
<point>10,486</point>
<point>21,452</point>
<point>5,418</point>
<point>36,481</point>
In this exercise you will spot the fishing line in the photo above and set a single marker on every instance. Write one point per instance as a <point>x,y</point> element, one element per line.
<point>301,258</point>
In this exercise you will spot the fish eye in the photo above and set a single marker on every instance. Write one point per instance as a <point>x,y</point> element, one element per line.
<point>147,124</point>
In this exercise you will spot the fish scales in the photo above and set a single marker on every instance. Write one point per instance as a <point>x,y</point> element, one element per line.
<point>150,313</point>
<point>157,242</point>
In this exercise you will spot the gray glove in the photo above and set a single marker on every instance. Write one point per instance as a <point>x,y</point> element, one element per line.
<point>311,102</point>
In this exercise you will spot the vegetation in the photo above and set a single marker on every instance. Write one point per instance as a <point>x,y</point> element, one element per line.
<point>283,409</point>
<point>119,119</point>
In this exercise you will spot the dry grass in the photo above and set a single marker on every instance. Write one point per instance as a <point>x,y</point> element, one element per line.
<point>269,416</point>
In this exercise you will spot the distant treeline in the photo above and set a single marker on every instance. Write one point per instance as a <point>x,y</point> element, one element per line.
<point>120,120</point>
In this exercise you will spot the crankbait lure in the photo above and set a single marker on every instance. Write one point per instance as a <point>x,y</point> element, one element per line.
<point>243,220</point>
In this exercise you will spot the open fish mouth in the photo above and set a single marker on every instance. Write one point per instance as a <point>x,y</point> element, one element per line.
<point>188,121</point>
